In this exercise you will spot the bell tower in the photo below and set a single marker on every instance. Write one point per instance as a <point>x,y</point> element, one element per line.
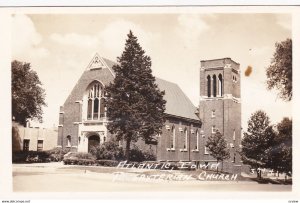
<point>220,104</point>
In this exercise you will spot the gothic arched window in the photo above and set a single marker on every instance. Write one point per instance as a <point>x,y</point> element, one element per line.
<point>172,138</point>
<point>208,86</point>
<point>69,141</point>
<point>185,139</point>
<point>95,103</point>
<point>214,85</point>
<point>197,140</point>
<point>220,82</point>
<point>102,107</point>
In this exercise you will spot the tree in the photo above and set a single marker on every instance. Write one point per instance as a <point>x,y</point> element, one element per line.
<point>285,128</point>
<point>108,150</point>
<point>258,139</point>
<point>135,105</point>
<point>217,146</point>
<point>281,153</point>
<point>279,73</point>
<point>28,97</point>
<point>16,139</point>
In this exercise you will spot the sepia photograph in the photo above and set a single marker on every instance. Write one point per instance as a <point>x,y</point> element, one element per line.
<point>152,100</point>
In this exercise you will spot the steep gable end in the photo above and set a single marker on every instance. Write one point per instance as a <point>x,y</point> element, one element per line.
<point>100,69</point>
<point>99,62</point>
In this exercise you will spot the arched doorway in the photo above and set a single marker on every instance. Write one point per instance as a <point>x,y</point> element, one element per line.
<point>94,141</point>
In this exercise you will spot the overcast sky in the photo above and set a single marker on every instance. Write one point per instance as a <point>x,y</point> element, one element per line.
<point>60,47</point>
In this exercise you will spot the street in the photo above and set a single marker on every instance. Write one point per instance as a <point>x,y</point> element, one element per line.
<point>56,177</point>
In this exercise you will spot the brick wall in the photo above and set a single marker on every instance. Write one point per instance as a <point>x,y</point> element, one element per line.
<point>71,110</point>
<point>227,109</point>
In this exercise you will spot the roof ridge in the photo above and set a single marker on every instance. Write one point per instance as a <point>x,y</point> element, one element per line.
<point>109,60</point>
<point>165,80</point>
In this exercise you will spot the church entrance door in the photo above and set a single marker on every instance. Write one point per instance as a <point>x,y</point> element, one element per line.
<point>94,141</point>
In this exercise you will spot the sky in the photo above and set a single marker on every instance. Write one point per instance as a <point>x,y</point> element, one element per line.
<point>60,47</point>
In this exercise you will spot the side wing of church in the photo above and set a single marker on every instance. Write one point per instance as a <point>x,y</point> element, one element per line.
<point>83,121</point>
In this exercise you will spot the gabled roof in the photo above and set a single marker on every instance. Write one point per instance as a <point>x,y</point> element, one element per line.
<point>109,63</point>
<point>178,104</point>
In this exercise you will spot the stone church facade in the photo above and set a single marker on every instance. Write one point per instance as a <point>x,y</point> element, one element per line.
<point>83,120</point>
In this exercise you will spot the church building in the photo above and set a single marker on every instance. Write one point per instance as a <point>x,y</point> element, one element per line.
<point>83,120</point>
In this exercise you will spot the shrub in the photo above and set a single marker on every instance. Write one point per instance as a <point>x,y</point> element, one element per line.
<point>108,150</point>
<point>110,163</point>
<point>77,161</point>
<point>111,151</point>
<point>57,154</point>
<point>30,157</point>
<point>79,158</point>
<point>138,155</point>
<point>149,155</point>
<point>81,155</point>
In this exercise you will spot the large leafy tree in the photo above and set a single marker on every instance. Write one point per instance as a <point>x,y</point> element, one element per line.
<point>280,155</point>
<point>217,147</point>
<point>258,139</point>
<point>279,73</point>
<point>135,105</point>
<point>28,96</point>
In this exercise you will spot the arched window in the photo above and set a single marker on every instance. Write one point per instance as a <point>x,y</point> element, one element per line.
<point>90,106</point>
<point>172,138</point>
<point>197,141</point>
<point>208,86</point>
<point>233,136</point>
<point>185,139</point>
<point>96,108</point>
<point>102,108</point>
<point>220,82</point>
<point>214,85</point>
<point>95,102</point>
<point>69,141</point>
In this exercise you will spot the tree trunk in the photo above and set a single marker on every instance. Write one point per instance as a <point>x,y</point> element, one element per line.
<point>217,167</point>
<point>285,177</point>
<point>222,167</point>
<point>127,150</point>
<point>258,173</point>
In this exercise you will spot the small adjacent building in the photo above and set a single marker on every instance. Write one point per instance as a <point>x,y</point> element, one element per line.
<point>33,138</point>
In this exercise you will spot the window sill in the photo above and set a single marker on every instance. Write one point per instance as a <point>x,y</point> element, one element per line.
<point>195,150</point>
<point>183,150</point>
<point>170,149</point>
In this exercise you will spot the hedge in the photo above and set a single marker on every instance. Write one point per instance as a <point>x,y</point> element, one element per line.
<point>76,161</point>
<point>30,157</point>
<point>110,163</point>
<point>90,162</point>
